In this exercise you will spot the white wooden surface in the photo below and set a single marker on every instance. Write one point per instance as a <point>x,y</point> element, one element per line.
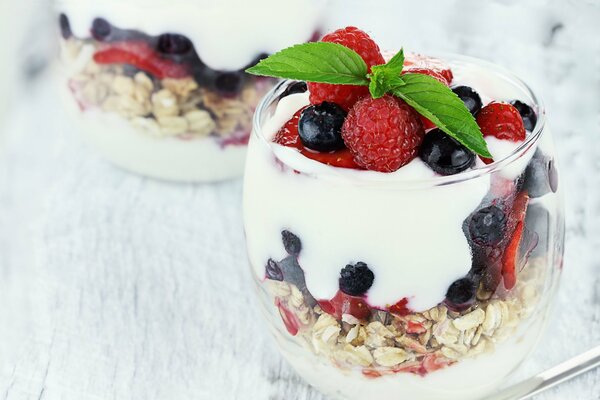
<point>114,286</point>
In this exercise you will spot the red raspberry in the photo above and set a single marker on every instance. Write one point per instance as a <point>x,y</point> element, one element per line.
<point>288,136</point>
<point>502,121</point>
<point>347,95</point>
<point>418,63</point>
<point>383,134</point>
<point>142,56</point>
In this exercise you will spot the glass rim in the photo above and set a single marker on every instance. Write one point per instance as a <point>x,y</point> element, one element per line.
<point>530,141</point>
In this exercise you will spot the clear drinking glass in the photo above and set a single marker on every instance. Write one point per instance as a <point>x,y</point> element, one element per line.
<point>302,216</point>
<point>159,87</point>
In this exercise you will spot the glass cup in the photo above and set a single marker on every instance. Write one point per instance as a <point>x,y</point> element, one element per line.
<point>447,317</point>
<point>159,88</point>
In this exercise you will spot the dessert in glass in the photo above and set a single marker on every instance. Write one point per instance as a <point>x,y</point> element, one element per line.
<point>391,260</point>
<point>159,87</point>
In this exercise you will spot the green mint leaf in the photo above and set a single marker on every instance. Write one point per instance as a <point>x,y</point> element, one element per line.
<point>396,63</point>
<point>321,62</point>
<point>383,81</point>
<point>440,105</point>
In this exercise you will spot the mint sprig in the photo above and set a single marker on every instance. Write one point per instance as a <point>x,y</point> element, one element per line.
<point>333,63</point>
<point>315,62</point>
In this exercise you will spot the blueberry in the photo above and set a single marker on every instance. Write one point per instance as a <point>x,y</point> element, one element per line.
<point>272,271</point>
<point>172,43</point>
<point>294,88</point>
<point>527,113</point>
<point>540,176</point>
<point>356,279</point>
<point>444,154</point>
<point>65,26</point>
<point>292,272</point>
<point>230,83</point>
<point>291,242</point>
<point>470,97</point>
<point>320,127</point>
<point>487,226</point>
<point>101,29</point>
<point>462,292</point>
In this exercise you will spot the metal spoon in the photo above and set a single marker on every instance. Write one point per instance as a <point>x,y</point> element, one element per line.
<point>552,377</point>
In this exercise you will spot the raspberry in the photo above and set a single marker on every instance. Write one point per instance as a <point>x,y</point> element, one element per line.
<point>418,63</point>
<point>288,136</point>
<point>502,121</point>
<point>383,134</point>
<point>347,95</point>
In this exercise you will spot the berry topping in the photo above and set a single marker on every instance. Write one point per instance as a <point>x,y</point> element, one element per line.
<point>347,95</point>
<point>320,127</point>
<point>540,176</point>
<point>502,121</point>
<point>345,304</point>
<point>527,113</point>
<point>400,308</point>
<point>444,154</point>
<point>291,242</point>
<point>292,272</point>
<point>356,280</point>
<point>272,271</point>
<point>419,63</point>
<point>172,43</point>
<point>487,226</point>
<point>510,258</point>
<point>65,26</point>
<point>294,88</point>
<point>461,293</point>
<point>230,83</point>
<point>470,97</point>
<point>140,55</point>
<point>101,29</point>
<point>383,134</point>
<point>288,136</point>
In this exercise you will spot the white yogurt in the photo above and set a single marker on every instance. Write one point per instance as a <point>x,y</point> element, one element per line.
<point>227,34</point>
<point>411,238</point>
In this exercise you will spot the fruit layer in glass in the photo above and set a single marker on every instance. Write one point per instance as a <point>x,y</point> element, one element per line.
<point>160,87</point>
<point>414,283</point>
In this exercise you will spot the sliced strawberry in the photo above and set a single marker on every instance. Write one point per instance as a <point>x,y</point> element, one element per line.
<point>400,308</point>
<point>346,304</point>
<point>142,56</point>
<point>288,136</point>
<point>510,258</point>
<point>415,62</point>
<point>291,322</point>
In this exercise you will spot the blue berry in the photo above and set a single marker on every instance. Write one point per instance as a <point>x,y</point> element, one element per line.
<point>65,26</point>
<point>470,97</point>
<point>272,271</point>
<point>172,43</point>
<point>461,294</point>
<point>356,280</point>
<point>230,83</point>
<point>320,127</point>
<point>540,176</point>
<point>527,113</point>
<point>444,154</point>
<point>101,29</point>
<point>291,242</point>
<point>487,226</point>
<point>294,88</point>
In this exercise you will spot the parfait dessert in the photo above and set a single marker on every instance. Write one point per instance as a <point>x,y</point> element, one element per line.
<point>159,87</point>
<point>403,219</point>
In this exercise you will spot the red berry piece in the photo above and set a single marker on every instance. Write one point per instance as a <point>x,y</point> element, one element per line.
<point>291,322</point>
<point>510,258</point>
<point>502,121</point>
<point>383,134</point>
<point>345,304</point>
<point>347,95</point>
<point>400,308</point>
<point>415,327</point>
<point>418,63</point>
<point>140,55</point>
<point>288,136</point>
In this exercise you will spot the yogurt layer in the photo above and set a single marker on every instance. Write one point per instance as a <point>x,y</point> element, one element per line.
<point>227,35</point>
<point>406,228</point>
